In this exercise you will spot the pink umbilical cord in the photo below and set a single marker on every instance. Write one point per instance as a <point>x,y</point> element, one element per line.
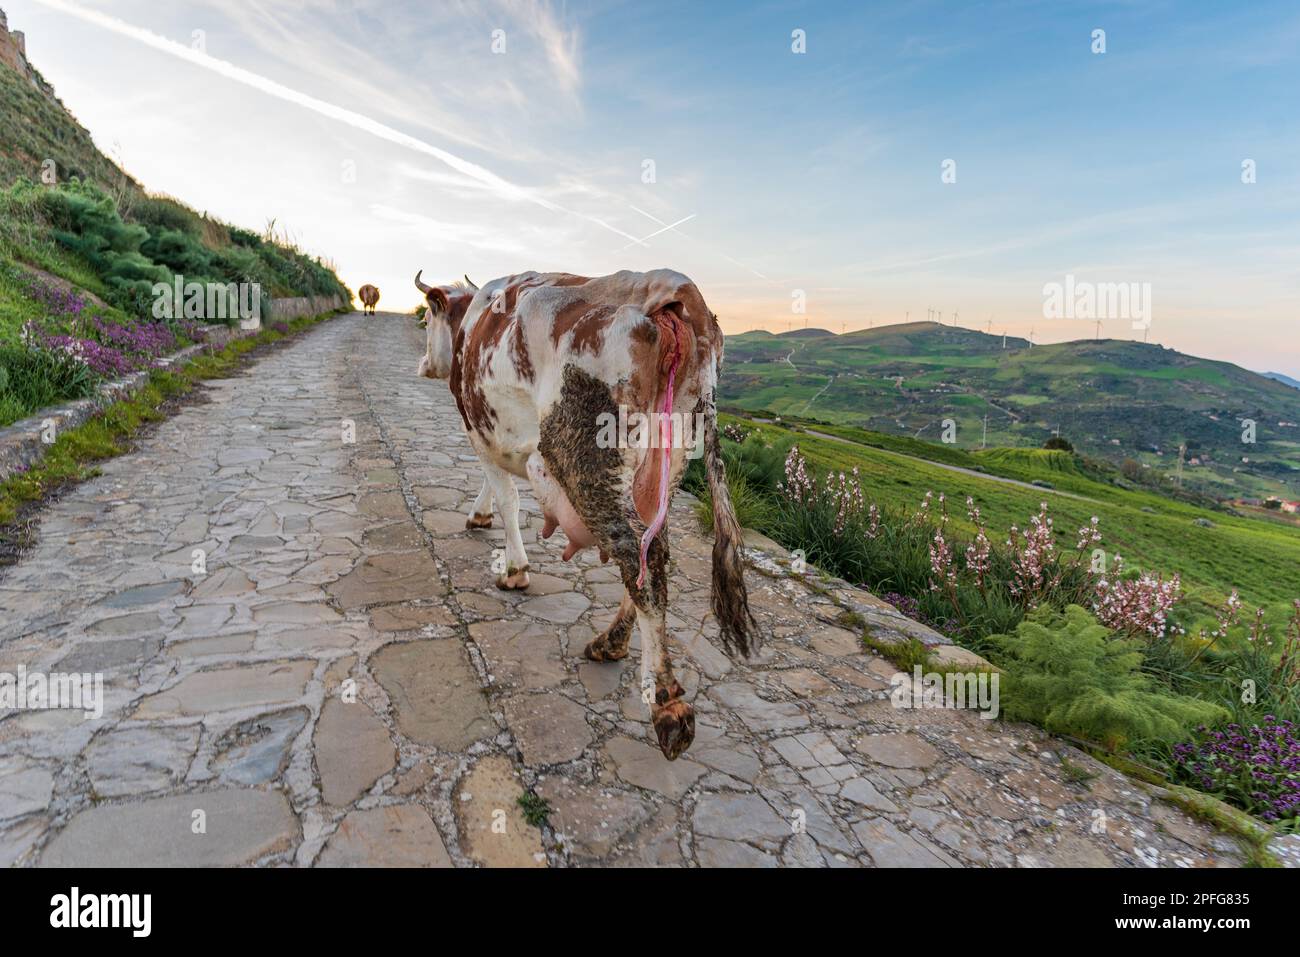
<point>665,454</point>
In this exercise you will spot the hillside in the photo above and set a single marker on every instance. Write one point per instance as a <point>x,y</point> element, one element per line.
<point>37,127</point>
<point>83,247</point>
<point>1284,379</point>
<point>1131,403</point>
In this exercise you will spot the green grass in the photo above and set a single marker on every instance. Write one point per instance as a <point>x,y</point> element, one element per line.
<point>1049,464</point>
<point>1260,558</point>
<point>535,808</point>
<point>36,127</point>
<point>904,655</point>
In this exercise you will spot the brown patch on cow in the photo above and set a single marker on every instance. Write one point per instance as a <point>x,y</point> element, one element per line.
<point>509,297</point>
<point>569,279</point>
<point>455,380</point>
<point>470,355</point>
<point>523,362</point>
<point>587,322</point>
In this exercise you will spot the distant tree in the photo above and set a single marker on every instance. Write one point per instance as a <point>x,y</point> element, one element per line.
<point>1059,442</point>
<point>1132,469</point>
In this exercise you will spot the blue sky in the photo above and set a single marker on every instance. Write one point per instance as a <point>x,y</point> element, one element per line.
<point>817,172</point>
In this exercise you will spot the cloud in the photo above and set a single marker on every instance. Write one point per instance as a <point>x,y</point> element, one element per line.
<point>495,184</point>
<point>560,44</point>
<point>440,234</point>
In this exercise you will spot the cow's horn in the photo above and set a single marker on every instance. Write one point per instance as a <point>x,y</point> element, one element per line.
<point>421,286</point>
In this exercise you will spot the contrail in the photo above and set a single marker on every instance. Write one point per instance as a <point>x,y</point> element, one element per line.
<point>501,187</point>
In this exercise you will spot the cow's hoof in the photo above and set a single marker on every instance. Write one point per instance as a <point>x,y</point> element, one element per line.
<point>479,521</point>
<point>674,723</point>
<point>601,649</point>
<point>513,581</point>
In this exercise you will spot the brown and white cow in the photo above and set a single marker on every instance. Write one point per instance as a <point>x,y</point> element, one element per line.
<point>539,365</point>
<point>369,296</point>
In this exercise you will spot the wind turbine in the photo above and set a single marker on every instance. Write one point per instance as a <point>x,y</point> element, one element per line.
<point>1099,328</point>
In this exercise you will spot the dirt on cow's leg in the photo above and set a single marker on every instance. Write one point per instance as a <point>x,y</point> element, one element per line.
<point>514,576</point>
<point>480,513</point>
<point>612,644</point>
<point>670,714</point>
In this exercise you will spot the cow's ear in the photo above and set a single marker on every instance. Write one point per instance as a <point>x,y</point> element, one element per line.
<point>438,301</point>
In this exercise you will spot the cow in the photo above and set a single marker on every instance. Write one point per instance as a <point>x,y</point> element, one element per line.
<point>369,296</point>
<point>539,365</point>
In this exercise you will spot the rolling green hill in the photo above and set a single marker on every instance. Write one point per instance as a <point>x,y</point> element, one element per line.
<point>1113,399</point>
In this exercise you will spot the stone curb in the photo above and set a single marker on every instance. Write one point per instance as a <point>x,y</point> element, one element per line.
<point>21,445</point>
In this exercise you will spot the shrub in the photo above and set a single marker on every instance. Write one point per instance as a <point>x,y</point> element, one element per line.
<point>1064,671</point>
<point>967,589</point>
<point>161,240</point>
<point>1137,607</point>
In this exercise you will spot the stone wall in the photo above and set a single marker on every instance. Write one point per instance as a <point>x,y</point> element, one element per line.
<point>13,54</point>
<point>284,309</point>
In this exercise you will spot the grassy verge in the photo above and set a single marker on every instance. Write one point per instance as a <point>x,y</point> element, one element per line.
<point>1260,559</point>
<point>72,457</point>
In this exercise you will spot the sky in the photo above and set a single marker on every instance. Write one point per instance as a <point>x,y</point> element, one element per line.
<point>915,159</point>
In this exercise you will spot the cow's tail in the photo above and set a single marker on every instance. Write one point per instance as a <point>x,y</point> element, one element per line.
<point>730,600</point>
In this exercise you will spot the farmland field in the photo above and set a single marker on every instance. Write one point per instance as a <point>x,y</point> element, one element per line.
<point>1117,400</point>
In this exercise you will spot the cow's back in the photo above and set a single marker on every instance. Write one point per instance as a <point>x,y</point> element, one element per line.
<point>528,327</point>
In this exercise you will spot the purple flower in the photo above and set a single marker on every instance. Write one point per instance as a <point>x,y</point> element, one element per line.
<point>1256,768</point>
<point>111,350</point>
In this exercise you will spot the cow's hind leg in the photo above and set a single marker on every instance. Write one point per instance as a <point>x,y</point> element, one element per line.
<point>670,714</point>
<point>612,644</point>
<point>514,575</point>
<point>598,483</point>
<point>480,513</point>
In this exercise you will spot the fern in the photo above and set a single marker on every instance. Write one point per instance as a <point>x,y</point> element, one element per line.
<point>1064,672</point>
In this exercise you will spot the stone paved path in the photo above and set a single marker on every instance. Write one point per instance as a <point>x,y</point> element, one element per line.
<point>343,686</point>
